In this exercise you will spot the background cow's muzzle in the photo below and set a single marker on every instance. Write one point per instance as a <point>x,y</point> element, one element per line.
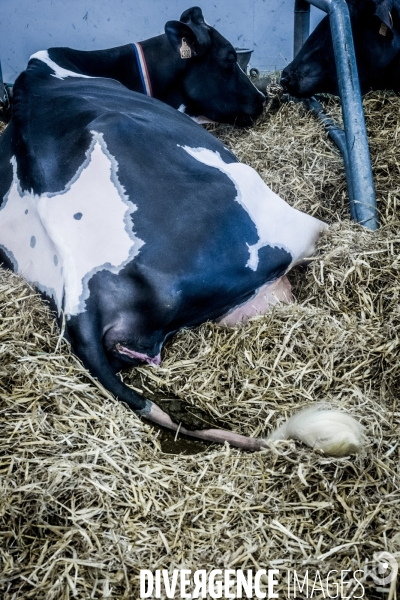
<point>289,82</point>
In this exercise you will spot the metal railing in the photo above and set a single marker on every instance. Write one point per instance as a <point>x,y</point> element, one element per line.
<point>4,95</point>
<point>353,141</point>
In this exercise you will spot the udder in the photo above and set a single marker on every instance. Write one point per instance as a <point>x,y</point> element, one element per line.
<point>268,295</point>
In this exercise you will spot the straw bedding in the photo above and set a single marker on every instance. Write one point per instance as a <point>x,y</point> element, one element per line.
<point>88,497</point>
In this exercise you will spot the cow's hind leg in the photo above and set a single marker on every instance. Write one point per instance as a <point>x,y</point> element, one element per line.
<point>334,433</point>
<point>85,335</point>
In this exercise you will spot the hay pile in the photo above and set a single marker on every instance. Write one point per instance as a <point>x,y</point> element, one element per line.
<point>88,497</point>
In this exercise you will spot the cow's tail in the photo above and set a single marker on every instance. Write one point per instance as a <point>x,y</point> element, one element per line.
<point>331,431</point>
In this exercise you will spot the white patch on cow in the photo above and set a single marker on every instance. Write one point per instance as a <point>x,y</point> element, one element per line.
<point>59,241</point>
<point>59,72</point>
<point>200,120</point>
<point>278,224</point>
<point>24,238</point>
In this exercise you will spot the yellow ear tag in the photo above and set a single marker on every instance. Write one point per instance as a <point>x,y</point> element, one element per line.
<point>383,29</point>
<point>185,50</point>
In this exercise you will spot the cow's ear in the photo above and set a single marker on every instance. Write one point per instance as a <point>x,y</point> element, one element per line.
<point>194,18</point>
<point>184,39</point>
<point>194,15</point>
<point>383,12</point>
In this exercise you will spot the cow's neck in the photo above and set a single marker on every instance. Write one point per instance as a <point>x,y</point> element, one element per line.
<point>166,70</point>
<point>164,66</point>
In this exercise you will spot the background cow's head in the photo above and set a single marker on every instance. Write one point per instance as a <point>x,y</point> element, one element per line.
<point>213,84</point>
<point>376,33</point>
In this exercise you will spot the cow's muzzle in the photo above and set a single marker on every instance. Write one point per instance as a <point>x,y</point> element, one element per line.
<point>288,80</point>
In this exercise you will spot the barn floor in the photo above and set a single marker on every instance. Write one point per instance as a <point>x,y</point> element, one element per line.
<point>88,497</point>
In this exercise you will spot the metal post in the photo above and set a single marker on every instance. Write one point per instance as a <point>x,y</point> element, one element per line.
<point>359,162</point>
<point>301,24</point>
<point>3,92</point>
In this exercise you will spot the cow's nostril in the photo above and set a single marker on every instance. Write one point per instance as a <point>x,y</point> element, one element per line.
<point>285,79</point>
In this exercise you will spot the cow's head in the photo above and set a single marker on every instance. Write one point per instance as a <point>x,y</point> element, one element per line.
<point>213,84</point>
<point>376,33</point>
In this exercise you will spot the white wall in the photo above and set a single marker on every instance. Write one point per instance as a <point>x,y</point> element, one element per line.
<point>30,25</point>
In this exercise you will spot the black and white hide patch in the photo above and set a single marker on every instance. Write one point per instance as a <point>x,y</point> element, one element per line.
<point>57,242</point>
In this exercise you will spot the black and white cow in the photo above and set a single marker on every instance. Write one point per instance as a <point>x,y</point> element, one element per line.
<point>191,67</point>
<point>376,33</point>
<point>134,222</point>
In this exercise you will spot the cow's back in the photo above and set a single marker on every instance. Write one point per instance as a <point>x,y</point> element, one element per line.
<point>125,184</point>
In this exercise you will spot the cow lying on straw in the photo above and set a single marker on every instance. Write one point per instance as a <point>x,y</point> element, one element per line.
<point>134,223</point>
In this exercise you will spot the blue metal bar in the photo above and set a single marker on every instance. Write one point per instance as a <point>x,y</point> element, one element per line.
<point>336,133</point>
<point>338,136</point>
<point>358,159</point>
